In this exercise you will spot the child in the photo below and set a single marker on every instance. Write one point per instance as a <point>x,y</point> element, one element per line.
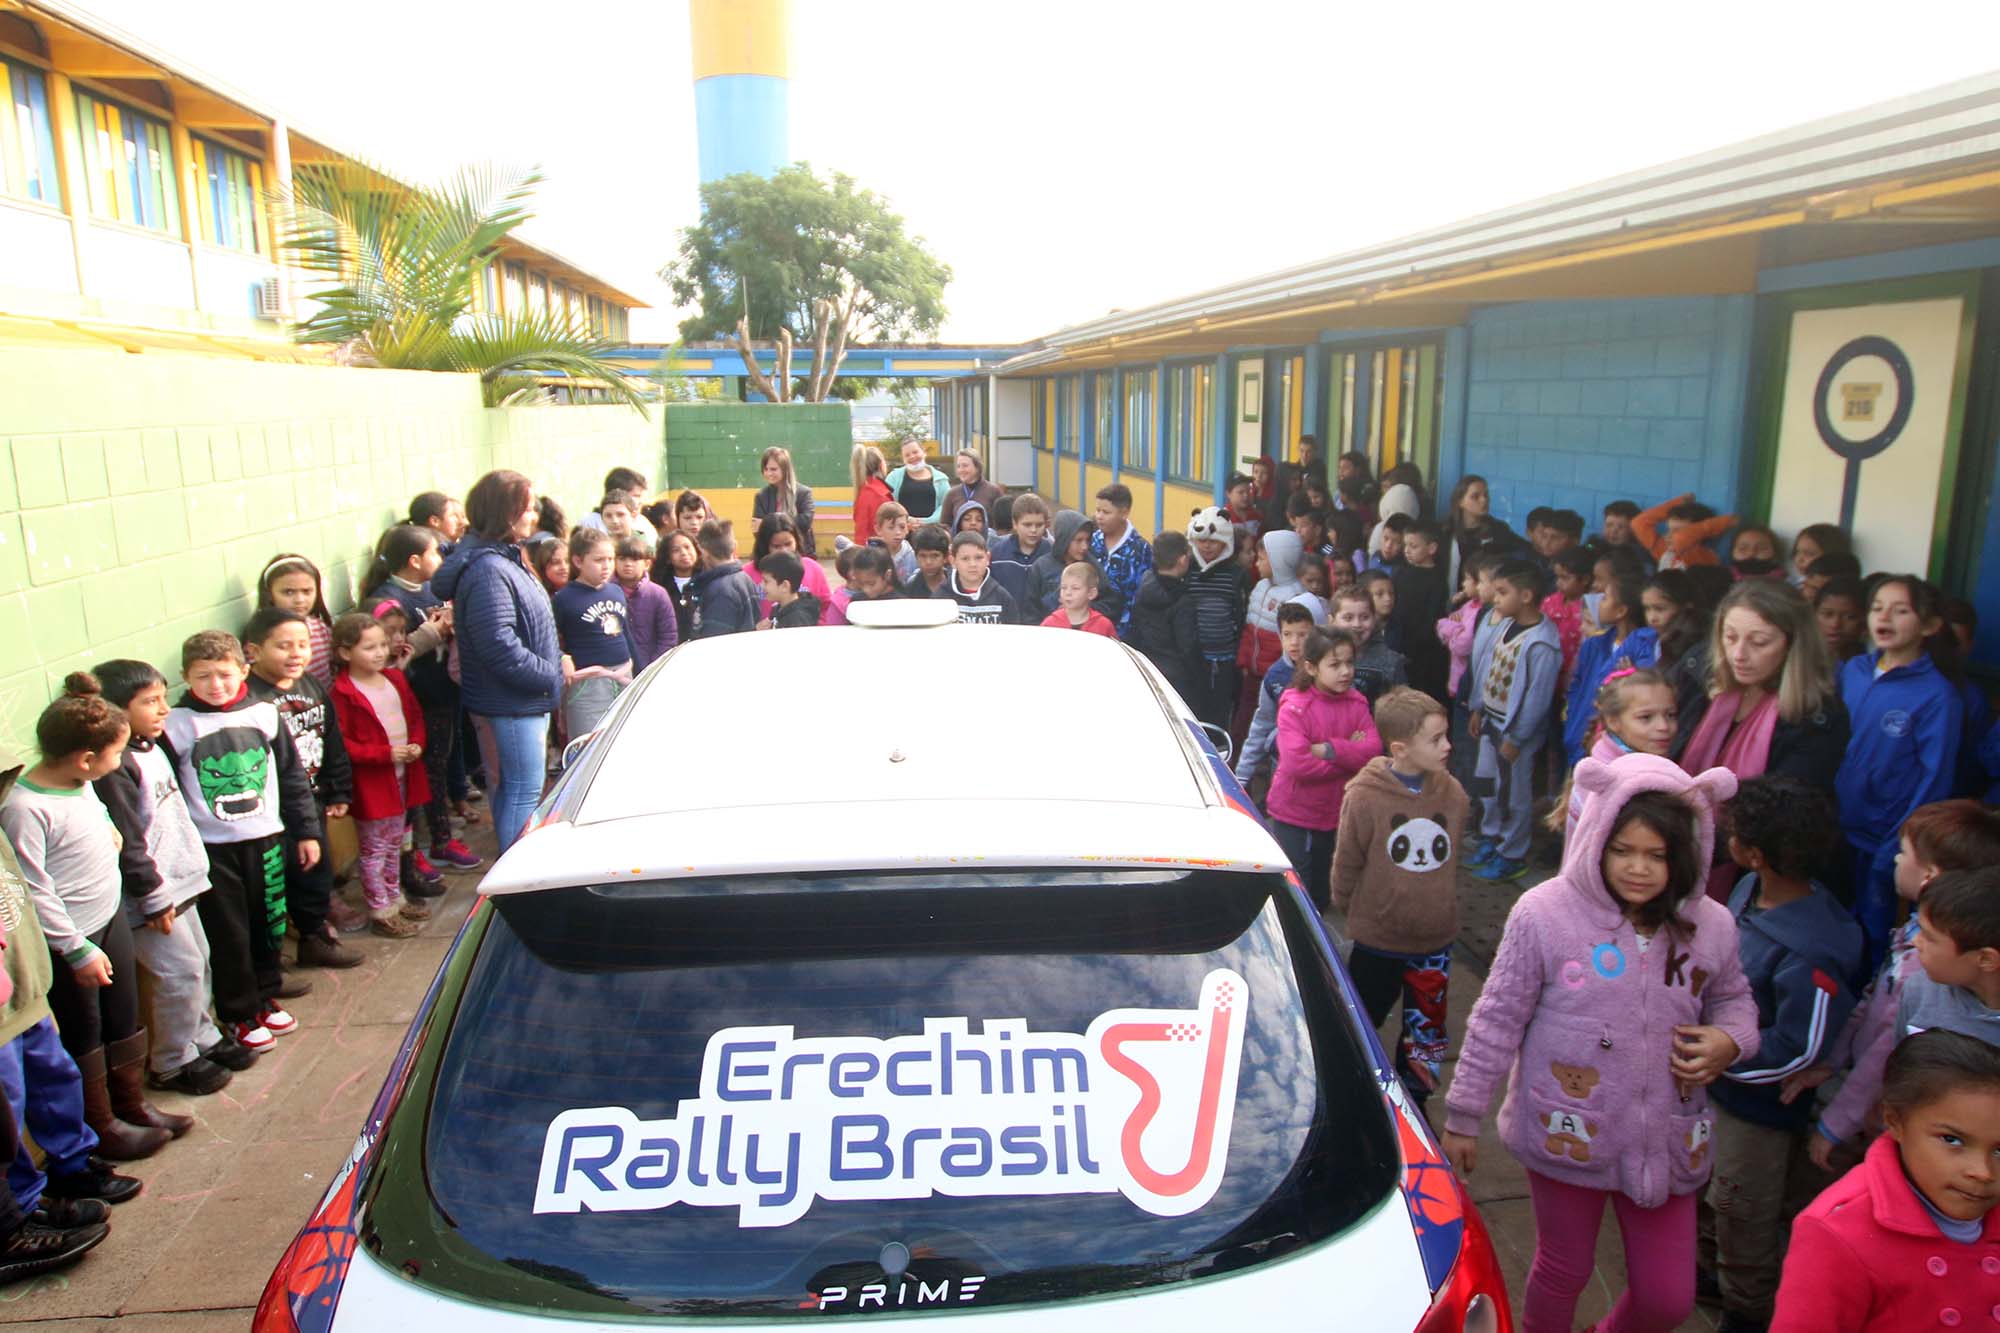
<point>874,576</point>
<point>1215,587</point>
<point>440,513</point>
<point>1615,997</point>
<point>835,610</point>
<point>1118,548</point>
<point>1868,1256</point>
<point>724,600</point>
<point>1570,569</point>
<point>1690,527</point>
<point>779,532</point>
<point>1295,623</point>
<point>1801,953</point>
<point>1457,631</point>
<point>933,547</point>
<point>1838,565</point>
<point>1395,878</point>
<point>1617,526</point>
<point>1074,597</point>
<point>971,517</point>
<point>246,788</point>
<point>981,600</point>
<point>68,851</point>
<point>1676,613</point>
<point>892,531</point>
<point>1514,667</point>
<point>1958,946</point>
<point>1840,609</point>
<point>1387,552</point>
<point>165,874</point>
<point>617,515</point>
<point>1420,602</point>
<point>1244,515</point>
<point>1308,524</point>
<point>791,608</point>
<point>1756,546</point>
<point>1325,737</point>
<point>590,624</point>
<point>293,583</point>
<point>1069,542</point>
<point>1937,839</point>
<point>1277,565</point>
<point>1000,519</point>
<point>1315,579</point>
<point>650,625</point>
<point>277,645</point>
<point>1635,715</point>
<point>674,571</point>
<point>1381,589</point>
<point>1377,666</point>
<point>1624,641</point>
<point>383,730</point>
<point>1164,624</point>
<point>1903,749</point>
<point>1814,541</point>
<point>548,556</point>
<point>1015,554</point>
<point>691,511</point>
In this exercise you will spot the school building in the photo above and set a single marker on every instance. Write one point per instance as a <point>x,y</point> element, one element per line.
<point>1798,328</point>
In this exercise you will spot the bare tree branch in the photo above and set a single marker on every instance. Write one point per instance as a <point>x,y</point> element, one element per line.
<point>816,387</point>
<point>750,368</point>
<point>784,365</point>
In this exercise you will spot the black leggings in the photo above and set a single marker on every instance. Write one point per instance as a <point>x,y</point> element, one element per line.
<point>1311,853</point>
<point>92,1016</point>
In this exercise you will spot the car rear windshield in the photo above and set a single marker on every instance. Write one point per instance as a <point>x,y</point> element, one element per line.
<point>794,1097</point>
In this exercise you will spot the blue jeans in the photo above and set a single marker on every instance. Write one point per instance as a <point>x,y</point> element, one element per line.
<point>516,750</point>
<point>42,1085</point>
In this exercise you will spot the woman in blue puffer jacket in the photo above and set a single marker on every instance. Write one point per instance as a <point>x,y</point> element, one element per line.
<point>510,666</point>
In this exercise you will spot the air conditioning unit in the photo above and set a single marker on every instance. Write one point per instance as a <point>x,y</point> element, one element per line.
<point>267,299</point>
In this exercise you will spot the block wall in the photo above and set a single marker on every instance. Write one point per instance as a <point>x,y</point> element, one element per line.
<point>1577,404</point>
<point>141,495</point>
<point>717,445</point>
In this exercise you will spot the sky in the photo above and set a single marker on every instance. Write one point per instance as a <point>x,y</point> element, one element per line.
<point>1071,157</point>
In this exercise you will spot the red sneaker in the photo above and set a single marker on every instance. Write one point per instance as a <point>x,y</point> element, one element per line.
<point>457,855</point>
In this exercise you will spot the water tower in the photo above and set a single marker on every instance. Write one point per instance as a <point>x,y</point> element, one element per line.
<point>742,85</point>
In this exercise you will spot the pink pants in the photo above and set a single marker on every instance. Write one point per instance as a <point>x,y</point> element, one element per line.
<point>381,862</point>
<point>1659,1259</point>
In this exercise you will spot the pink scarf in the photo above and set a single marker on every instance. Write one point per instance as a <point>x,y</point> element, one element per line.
<point>1743,750</point>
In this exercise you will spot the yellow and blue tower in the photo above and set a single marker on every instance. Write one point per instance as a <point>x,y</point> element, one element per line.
<point>742,85</point>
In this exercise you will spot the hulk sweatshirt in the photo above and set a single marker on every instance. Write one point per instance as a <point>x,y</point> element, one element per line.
<point>239,771</point>
<point>1395,860</point>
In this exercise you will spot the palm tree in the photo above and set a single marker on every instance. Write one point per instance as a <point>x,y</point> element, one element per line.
<point>404,261</point>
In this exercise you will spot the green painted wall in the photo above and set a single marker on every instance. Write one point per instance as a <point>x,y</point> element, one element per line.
<point>141,494</point>
<point>717,444</point>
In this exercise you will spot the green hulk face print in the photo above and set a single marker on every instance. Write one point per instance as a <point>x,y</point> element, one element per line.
<point>231,766</point>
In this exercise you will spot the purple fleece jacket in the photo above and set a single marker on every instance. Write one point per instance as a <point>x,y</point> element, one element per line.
<point>650,624</point>
<point>1581,1023</point>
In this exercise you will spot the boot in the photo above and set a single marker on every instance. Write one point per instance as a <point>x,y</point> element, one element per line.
<point>127,1076</point>
<point>117,1140</point>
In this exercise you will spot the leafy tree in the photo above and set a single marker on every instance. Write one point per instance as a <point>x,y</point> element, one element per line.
<point>402,263</point>
<point>910,418</point>
<point>803,261</point>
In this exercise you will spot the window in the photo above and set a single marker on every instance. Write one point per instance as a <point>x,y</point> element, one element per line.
<point>1069,416</point>
<point>1140,388</point>
<point>128,160</point>
<point>1310,1148</point>
<point>27,143</point>
<point>1101,389</point>
<point>1187,422</point>
<point>1386,402</point>
<point>538,294</point>
<point>515,279</point>
<point>489,291</point>
<point>230,211</point>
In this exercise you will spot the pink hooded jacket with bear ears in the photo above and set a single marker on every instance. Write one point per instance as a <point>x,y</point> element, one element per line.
<point>1581,1022</point>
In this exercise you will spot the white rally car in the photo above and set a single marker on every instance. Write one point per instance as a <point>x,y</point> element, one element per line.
<point>936,970</point>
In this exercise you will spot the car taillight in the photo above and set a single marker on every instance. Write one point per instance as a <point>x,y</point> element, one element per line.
<point>1474,1298</point>
<point>274,1313</point>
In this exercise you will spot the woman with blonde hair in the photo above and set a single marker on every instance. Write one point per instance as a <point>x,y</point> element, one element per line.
<point>867,467</point>
<point>782,494</point>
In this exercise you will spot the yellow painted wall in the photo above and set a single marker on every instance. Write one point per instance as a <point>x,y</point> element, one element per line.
<point>1142,503</point>
<point>1182,501</point>
<point>1049,477</point>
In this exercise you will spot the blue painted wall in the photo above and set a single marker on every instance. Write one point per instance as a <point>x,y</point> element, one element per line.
<point>1575,404</point>
<point>742,123</point>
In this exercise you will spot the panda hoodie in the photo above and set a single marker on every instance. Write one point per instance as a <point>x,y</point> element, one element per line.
<point>1395,861</point>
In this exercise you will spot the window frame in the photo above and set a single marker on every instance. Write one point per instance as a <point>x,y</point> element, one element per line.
<point>207,219</point>
<point>120,174</point>
<point>28,152</point>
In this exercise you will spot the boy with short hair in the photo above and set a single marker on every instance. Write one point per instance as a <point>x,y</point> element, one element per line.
<point>1377,666</point>
<point>874,575</point>
<point>892,532</point>
<point>246,789</point>
<point>1309,524</point>
<point>1215,586</point>
<point>1423,599</point>
<point>443,515</point>
<point>279,649</point>
<point>1515,661</point>
<point>1958,946</point>
<point>1164,623</point>
<point>1073,602</point>
<point>791,606</point>
<point>1388,555</point>
<point>725,600</point>
<point>1690,527</point>
<point>1014,554</point>
<point>1295,622</point>
<point>650,623</point>
<point>1118,548</point>
<point>1617,529</point>
<point>1395,875</point>
<point>932,545</point>
<point>1244,514</point>
<point>981,600</point>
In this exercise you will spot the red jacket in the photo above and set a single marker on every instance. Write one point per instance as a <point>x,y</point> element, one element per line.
<point>376,795</point>
<point>874,493</point>
<point>1867,1258</point>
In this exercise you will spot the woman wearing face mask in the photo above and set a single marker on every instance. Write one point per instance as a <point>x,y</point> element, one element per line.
<point>917,486</point>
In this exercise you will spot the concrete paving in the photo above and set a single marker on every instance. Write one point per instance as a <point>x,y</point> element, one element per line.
<point>191,1253</point>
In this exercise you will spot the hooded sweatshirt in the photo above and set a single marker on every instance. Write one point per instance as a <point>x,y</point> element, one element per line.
<point>725,600</point>
<point>985,519</point>
<point>988,604</point>
<point>1801,960</point>
<point>1011,565</point>
<point>1902,751</point>
<point>162,861</point>
<point>239,771</point>
<point>509,664</point>
<point>801,613</point>
<point>1596,658</point>
<point>1259,646</point>
<point>1579,1020</point>
<point>1216,589</point>
<point>1395,862</point>
<point>1306,790</point>
<point>1044,581</point>
<point>1867,1256</point>
<point>1166,629</point>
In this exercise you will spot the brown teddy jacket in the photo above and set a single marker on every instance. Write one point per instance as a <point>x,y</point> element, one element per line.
<point>1395,860</point>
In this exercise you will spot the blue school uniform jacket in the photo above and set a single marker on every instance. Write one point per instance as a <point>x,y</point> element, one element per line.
<point>1598,657</point>
<point>1902,752</point>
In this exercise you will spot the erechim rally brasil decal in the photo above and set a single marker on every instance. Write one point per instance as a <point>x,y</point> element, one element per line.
<point>1140,1105</point>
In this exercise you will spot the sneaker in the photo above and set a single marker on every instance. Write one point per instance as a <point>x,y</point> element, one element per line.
<point>1479,854</point>
<point>457,855</point>
<point>418,866</point>
<point>96,1180</point>
<point>252,1036</point>
<point>1501,868</point>
<point>197,1078</point>
<point>277,1022</point>
<point>230,1054</point>
<point>346,918</point>
<point>69,1214</point>
<point>36,1249</point>
<point>395,926</point>
<point>291,986</point>
<point>416,909</point>
<point>323,951</point>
